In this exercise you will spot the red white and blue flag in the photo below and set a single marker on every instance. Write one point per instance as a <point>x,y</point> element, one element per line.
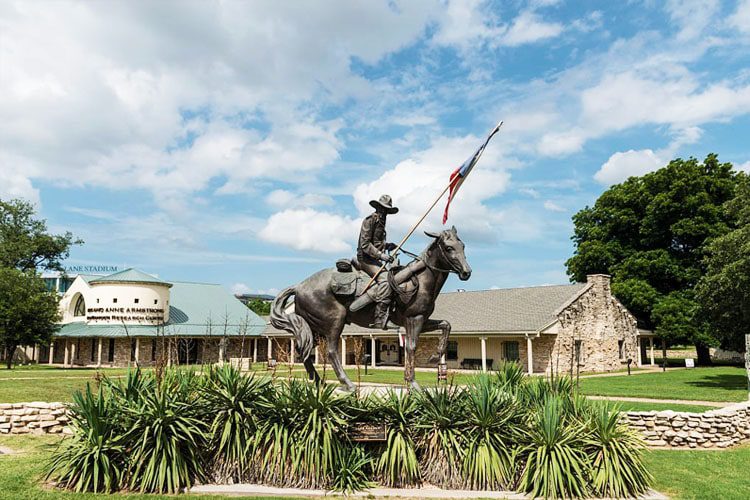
<point>461,173</point>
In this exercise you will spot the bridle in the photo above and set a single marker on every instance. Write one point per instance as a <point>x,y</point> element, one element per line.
<point>423,258</point>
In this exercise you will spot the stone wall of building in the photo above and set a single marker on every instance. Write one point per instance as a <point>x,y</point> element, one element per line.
<point>598,323</point>
<point>33,418</point>
<point>713,429</point>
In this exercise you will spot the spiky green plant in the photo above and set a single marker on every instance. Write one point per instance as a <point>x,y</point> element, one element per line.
<point>440,425</point>
<point>616,455</point>
<point>165,440</point>
<point>353,467</point>
<point>130,389</point>
<point>555,461</point>
<point>397,464</point>
<point>93,459</point>
<point>492,427</point>
<point>232,404</point>
<point>510,375</point>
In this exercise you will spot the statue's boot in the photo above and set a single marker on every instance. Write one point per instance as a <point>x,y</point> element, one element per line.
<point>381,316</point>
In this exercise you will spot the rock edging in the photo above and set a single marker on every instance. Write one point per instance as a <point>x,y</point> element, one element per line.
<point>34,418</point>
<point>718,428</point>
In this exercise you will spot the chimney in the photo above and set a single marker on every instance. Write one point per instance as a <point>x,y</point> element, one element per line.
<point>600,281</point>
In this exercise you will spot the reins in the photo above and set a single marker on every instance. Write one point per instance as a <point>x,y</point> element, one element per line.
<point>424,260</point>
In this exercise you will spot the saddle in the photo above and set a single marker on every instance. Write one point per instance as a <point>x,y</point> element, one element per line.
<point>350,280</point>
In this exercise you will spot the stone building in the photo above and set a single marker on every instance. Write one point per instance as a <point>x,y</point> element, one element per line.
<point>577,327</point>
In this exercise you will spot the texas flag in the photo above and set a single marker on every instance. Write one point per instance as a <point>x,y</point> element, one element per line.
<point>461,173</point>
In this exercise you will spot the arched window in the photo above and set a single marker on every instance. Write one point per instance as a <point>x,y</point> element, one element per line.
<point>80,308</point>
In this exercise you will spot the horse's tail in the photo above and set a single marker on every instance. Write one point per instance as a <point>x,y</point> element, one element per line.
<point>292,323</point>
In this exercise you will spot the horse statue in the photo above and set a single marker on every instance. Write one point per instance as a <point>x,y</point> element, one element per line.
<point>321,309</point>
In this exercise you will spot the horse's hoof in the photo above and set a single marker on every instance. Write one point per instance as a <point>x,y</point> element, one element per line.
<point>347,388</point>
<point>414,386</point>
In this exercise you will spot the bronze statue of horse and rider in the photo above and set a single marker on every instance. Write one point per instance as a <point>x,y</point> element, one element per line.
<point>331,298</point>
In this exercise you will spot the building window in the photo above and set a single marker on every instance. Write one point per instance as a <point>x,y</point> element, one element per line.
<point>136,300</point>
<point>451,353</point>
<point>93,346</point>
<point>578,351</point>
<point>156,301</point>
<point>97,301</point>
<point>153,349</point>
<point>133,346</point>
<point>111,353</point>
<point>114,301</point>
<point>80,308</point>
<point>621,349</point>
<point>511,351</point>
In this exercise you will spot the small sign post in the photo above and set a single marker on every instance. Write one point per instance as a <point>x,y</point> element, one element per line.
<point>442,374</point>
<point>689,363</point>
<point>362,432</point>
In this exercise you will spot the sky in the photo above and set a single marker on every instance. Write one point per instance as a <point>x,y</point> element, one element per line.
<point>240,142</point>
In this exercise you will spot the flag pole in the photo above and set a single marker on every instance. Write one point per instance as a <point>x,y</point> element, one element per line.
<point>427,212</point>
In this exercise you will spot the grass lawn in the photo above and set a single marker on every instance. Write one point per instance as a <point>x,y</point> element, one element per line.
<point>701,474</point>
<point>638,406</point>
<point>45,371</point>
<point>720,383</point>
<point>22,474</point>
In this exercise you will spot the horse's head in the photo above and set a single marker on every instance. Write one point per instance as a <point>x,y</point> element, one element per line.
<point>450,250</point>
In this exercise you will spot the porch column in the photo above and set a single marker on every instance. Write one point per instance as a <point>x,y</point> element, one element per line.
<point>372,352</point>
<point>640,351</point>
<point>35,353</point>
<point>292,357</point>
<point>484,353</point>
<point>99,355</point>
<point>255,350</point>
<point>343,351</point>
<point>137,350</point>
<point>651,349</point>
<point>221,350</point>
<point>51,351</point>
<point>529,355</point>
<point>270,348</point>
<point>65,356</point>
<point>73,347</point>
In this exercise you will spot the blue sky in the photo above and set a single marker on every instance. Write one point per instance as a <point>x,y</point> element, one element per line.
<point>239,142</point>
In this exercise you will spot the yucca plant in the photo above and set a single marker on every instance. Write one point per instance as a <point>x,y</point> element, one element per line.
<point>616,456</point>
<point>492,427</point>
<point>165,440</point>
<point>93,459</point>
<point>353,468</point>
<point>510,375</point>
<point>130,389</point>
<point>231,403</point>
<point>397,464</point>
<point>272,452</point>
<point>555,461</point>
<point>441,426</point>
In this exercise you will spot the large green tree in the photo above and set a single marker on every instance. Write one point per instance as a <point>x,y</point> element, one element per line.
<point>28,312</point>
<point>724,291</point>
<point>651,234</point>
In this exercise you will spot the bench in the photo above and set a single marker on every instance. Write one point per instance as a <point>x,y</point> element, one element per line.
<point>475,363</point>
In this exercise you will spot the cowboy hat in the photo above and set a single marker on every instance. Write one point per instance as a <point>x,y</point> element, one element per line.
<point>385,203</point>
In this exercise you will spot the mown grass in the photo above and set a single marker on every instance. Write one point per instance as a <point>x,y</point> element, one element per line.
<point>701,474</point>
<point>720,383</point>
<point>639,406</point>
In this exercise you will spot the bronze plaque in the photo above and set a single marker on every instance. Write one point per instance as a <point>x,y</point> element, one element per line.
<point>367,432</point>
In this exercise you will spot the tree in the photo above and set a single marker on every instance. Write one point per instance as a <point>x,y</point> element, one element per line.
<point>259,307</point>
<point>25,243</point>
<point>724,291</point>
<point>651,234</point>
<point>28,311</point>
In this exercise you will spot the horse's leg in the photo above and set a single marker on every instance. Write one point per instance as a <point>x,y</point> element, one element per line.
<point>413,328</point>
<point>310,367</point>
<point>334,356</point>
<point>438,324</point>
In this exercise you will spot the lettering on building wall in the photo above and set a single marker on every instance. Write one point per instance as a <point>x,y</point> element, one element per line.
<point>150,314</point>
<point>91,269</point>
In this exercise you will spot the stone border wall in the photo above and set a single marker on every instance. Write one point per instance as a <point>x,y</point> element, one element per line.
<point>33,418</point>
<point>713,429</point>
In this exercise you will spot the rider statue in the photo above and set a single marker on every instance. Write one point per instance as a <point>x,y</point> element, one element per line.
<point>372,252</point>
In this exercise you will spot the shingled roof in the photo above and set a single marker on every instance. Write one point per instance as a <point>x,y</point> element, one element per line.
<point>506,310</point>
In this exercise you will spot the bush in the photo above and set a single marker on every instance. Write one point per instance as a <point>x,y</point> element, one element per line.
<point>505,431</point>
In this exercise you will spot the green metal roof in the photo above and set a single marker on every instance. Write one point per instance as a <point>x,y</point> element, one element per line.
<point>129,276</point>
<point>196,309</point>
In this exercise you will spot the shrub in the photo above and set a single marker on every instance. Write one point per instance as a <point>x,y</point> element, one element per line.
<point>352,471</point>
<point>397,464</point>
<point>95,459</point>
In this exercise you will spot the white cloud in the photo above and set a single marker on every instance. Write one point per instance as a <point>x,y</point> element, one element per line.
<point>16,185</point>
<point>528,27</point>
<point>308,229</point>
<point>745,167</point>
<point>553,207</point>
<point>692,17</point>
<point>740,20</point>
<point>280,198</point>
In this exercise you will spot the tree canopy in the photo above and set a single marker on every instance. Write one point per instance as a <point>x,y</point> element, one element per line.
<point>724,291</point>
<point>28,311</point>
<point>25,243</point>
<point>651,234</point>
<point>259,307</point>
